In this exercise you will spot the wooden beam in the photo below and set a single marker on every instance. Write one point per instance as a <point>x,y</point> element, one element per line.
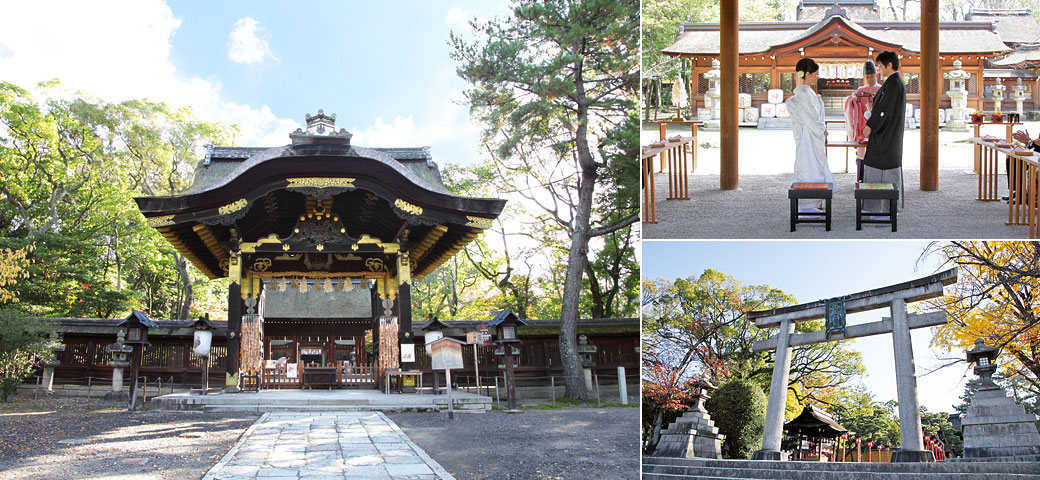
<point>183,249</point>
<point>915,320</point>
<point>204,232</point>
<point>728,127</point>
<point>931,84</point>
<point>428,241</point>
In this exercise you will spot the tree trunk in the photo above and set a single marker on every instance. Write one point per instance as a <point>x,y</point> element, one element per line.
<point>568,339</point>
<point>189,292</point>
<point>655,433</point>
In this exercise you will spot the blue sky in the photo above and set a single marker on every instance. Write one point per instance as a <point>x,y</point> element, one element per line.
<point>383,68</point>
<point>814,270</point>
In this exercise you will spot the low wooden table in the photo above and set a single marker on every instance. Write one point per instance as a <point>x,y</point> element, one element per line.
<point>662,125</point>
<point>818,190</point>
<point>876,191</point>
<point>846,144</point>
<point>393,372</point>
<point>977,126</point>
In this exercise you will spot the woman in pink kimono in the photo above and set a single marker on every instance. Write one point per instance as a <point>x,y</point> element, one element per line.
<point>810,131</point>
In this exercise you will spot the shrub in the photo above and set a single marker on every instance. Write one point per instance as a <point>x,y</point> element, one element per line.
<point>739,411</point>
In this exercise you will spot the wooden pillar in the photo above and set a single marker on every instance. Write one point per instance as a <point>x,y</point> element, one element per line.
<point>234,326</point>
<point>728,127</point>
<point>404,301</point>
<point>931,84</point>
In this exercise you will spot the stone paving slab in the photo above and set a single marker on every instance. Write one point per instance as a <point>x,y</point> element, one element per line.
<point>354,445</point>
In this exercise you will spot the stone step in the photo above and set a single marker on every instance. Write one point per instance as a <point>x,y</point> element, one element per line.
<point>777,469</point>
<point>322,408</point>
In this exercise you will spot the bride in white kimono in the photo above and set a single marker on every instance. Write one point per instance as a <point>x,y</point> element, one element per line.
<point>810,130</point>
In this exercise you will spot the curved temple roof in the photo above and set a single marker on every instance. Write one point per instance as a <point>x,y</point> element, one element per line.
<point>770,38</point>
<point>360,195</point>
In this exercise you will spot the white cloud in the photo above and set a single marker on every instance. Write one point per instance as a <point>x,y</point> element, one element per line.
<point>457,17</point>
<point>119,51</point>
<point>245,44</point>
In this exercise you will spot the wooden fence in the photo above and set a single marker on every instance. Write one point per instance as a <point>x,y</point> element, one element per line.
<point>360,376</point>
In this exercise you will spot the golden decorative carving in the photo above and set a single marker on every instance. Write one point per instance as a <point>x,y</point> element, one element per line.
<point>479,222</point>
<point>320,247</point>
<point>320,182</point>
<point>408,207</point>
<point>233,207</point>
<point>375,264</point>
<point>285,248</point>
<point>262,264</point>
<point>225,264</point>
<point>156,222</point>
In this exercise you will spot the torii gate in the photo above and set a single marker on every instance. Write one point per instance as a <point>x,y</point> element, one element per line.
<point>895,297</point>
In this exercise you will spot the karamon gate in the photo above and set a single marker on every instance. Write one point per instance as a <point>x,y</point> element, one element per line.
<point>895,297</point>
<point>320,240</point>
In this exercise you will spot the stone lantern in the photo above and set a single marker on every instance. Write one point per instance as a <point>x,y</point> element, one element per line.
<point>588,361</point>
<point>508,345</point>
<point>694,434</point>
<point>995,427</point>
<point>1019,93</point>
<point>120,352</point>
<point>998,96</point>
<point>48,368</point>
<point>958,98</point>
<point>711,97</point>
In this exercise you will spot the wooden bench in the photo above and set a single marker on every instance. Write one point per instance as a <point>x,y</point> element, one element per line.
<point>846,144</point>
<point>814,190</point>
<point>876,191</point>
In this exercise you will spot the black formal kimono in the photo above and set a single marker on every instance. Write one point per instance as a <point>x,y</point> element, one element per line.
<point>886,122</point>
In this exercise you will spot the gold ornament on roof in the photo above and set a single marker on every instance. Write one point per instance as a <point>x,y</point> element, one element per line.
<point>375,264</point>
<point>262,264</point>
<point>408,207</point>
<point>233,206</point>
<point>320,182</point>
<point>162,221</point>
<point>478,222</point>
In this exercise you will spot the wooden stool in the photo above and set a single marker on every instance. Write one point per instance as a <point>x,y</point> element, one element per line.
<point>817,191</point>
<point>876,191</point>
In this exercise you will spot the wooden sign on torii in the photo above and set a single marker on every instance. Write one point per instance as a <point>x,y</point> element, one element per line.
<point>895,297</point>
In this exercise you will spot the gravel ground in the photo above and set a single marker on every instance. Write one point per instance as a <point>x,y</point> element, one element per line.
<point>106,441</point>
<point>572,443</point>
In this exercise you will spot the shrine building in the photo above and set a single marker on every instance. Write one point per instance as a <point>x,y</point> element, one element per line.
<point>321,240</point>
<point>841,35</point>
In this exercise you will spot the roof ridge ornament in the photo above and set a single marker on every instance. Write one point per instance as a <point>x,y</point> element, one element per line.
<point>321,128</point>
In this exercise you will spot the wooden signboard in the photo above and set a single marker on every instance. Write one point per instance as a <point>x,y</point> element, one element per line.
<point>446,354</point>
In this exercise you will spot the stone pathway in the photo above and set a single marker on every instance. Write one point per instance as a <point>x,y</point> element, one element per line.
<point>354,445</point>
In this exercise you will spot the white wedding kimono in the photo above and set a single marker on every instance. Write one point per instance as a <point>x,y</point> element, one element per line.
<point>809,127</point>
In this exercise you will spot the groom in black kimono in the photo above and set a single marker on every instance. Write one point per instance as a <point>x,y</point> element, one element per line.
<point>883,160</point>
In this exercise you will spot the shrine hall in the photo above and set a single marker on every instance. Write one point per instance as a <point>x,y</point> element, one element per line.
<point>320,240</point>
<point>842,35</point>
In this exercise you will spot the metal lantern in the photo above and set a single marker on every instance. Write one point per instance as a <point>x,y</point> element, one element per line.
<point>203,335</point>
<point>137,325</point>
<point>508,342</point>
<point>203,340</point>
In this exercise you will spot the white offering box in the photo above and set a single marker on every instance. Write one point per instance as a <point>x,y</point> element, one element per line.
<point>768,110</point>
<point>909,110</point>
<point>751,116</point>
<point>781,110</point>
<point>703,114</point>
<point>744,100</point>
<point>775,96</point>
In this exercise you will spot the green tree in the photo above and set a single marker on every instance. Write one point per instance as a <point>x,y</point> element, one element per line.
<point>22,343</point>
<point>739,411</point>
<point>548,82</point>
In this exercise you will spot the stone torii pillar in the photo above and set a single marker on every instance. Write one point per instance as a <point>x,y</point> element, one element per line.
<point>895,298</point>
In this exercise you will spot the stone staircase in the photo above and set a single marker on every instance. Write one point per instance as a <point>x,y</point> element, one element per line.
<point>305,401</point>
<point>663,468</point>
